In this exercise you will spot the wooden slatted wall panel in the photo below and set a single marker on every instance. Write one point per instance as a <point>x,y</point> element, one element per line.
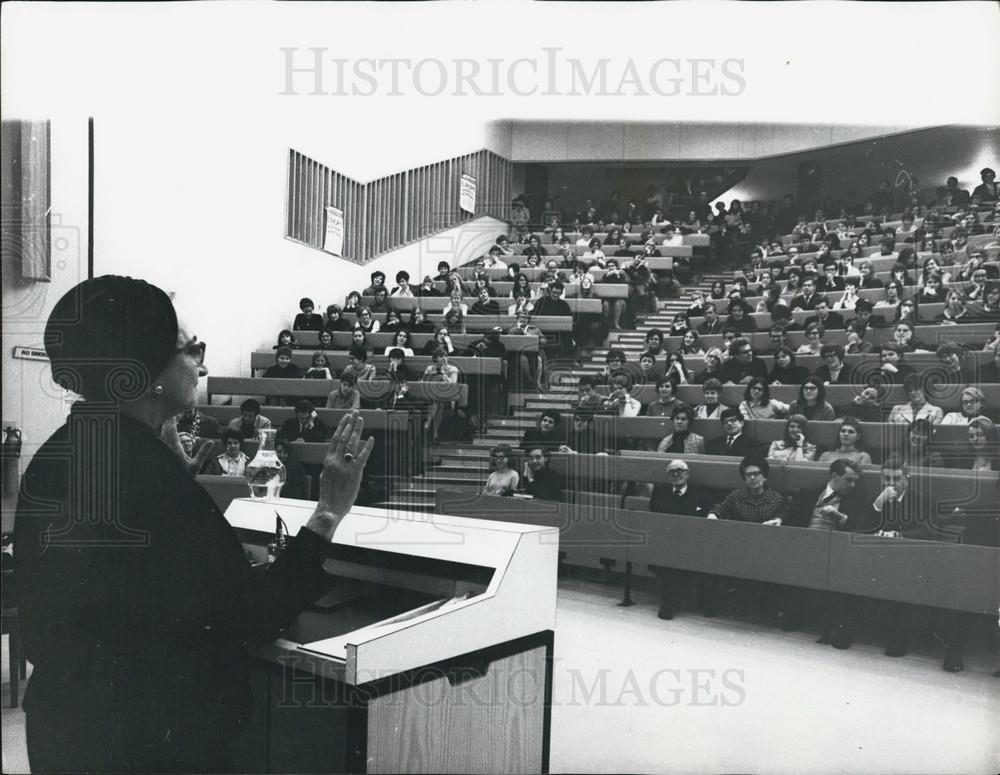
<point>395,210</point>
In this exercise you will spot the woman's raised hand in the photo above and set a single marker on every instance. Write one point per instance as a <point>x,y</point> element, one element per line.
<point>340,480</point>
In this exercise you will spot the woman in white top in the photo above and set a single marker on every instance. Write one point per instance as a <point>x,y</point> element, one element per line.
<point>972,400</point>
<point>793,448</point>
<point>503,480</point>
<point>402,342</point>
<point>594,254</point>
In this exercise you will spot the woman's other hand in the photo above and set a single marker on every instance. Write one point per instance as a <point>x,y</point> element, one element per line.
<point>340,480</point>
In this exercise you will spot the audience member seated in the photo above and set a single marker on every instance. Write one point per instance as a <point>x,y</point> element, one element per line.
<point>901,510</point>
<point>814,340</point>
<point>358,365</point>
<point>538,480</point>
<point>307,319</point>
<point>848,445</point>
<point>503,480</point>
<point>827,319</point>
<point>232,462</point>
<point>981,453</point>
<point>866,406</point>
<point>198,424</point>
<point>734,442</point>
<point>666,399</point>
<point>971,400</point>
<point>712,324</point>
<point>677,496</point>
<point>739,317</point>
<point>283,367</point>
<point>335,320</point>
<point>325,340</point>
<point>836,506</point>
<point>742,366</point>
<point>393,322</point>
<point>319,367</point>
<point>285,339</point>
<point>367,322</point>
<point>713,366</point>
<point>918,406</point>
<point>647,374</point>
<point>793,447</point>
<point>250,422</point>
<point>756,502</point>
<point>352,302</point>
<point>757,403</point>
<point>834,371</point>
<point>439,371</point>
<point>620,400</point>
<point>305,425</point>
<point>808,298</point>
<point>296,481</point>
<point>811,402</point>
<point>548,434</point>
<point>401,341</point>
<point>345,395</point>
<point>710,408</point>
<point>683,440</point>
<point>785,370</point>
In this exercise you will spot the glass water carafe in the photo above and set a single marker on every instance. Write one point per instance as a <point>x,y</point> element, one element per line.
<point>265,473</point>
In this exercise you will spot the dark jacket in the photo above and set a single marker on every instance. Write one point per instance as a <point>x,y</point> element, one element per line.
<point>138,623</point>
<point>290,430</point>
<point>742,446</point>
<point>803,506</point>
<point>548,485</point>
<point>691,504</point>
<point>834,321</point>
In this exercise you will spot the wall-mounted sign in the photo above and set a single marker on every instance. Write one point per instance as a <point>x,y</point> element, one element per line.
<point>334,241</point>
<point>30,353</point>
<point>467,194</point>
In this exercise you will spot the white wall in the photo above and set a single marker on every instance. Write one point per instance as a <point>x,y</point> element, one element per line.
<point>30,398</point>
<point>205,218</point>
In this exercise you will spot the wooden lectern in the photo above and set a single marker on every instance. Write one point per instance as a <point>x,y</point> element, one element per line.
<point>432,651</point>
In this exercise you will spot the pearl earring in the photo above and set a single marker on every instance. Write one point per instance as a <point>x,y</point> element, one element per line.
<point>158,390</point>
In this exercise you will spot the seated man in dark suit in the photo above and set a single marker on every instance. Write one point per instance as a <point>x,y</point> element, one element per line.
<point>833,507</point>
<point>808,298</point>
<point>734,442</point>
<point>829,320</point>
<point>305,425</point>
<point>676,496</point>
<point>538,480</point>
<point>904,509</point>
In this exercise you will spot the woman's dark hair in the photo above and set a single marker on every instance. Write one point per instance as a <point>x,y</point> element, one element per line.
<point>760,463</point>
<point>554,414</point>
<point>820,390</point>
<point>668,379</point>
<point>405,333</point>
<point>788,351</point>
<point>681,408</point>
<point>765,397</point>
<point>333,309</point>
<point>348,378</point>
<point>361,353</point>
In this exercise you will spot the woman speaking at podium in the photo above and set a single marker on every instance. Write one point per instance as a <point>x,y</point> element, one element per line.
<point>136,601</point>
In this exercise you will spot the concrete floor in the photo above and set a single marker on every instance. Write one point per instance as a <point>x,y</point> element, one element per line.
<point>636,694</point>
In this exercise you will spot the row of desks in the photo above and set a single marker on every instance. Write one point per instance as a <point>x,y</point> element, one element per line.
<point>863,365</point>
<point>436,304</point>
<point>343,341</point>
<point>375,390</point>
<point>415,364</point>
<point>840,396</point>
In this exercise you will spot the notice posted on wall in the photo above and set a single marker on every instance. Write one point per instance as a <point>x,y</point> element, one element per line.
<point>467,194</point>
<point>334,240</point>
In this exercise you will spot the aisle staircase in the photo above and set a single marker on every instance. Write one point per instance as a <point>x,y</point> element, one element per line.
<point>465,466</point>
